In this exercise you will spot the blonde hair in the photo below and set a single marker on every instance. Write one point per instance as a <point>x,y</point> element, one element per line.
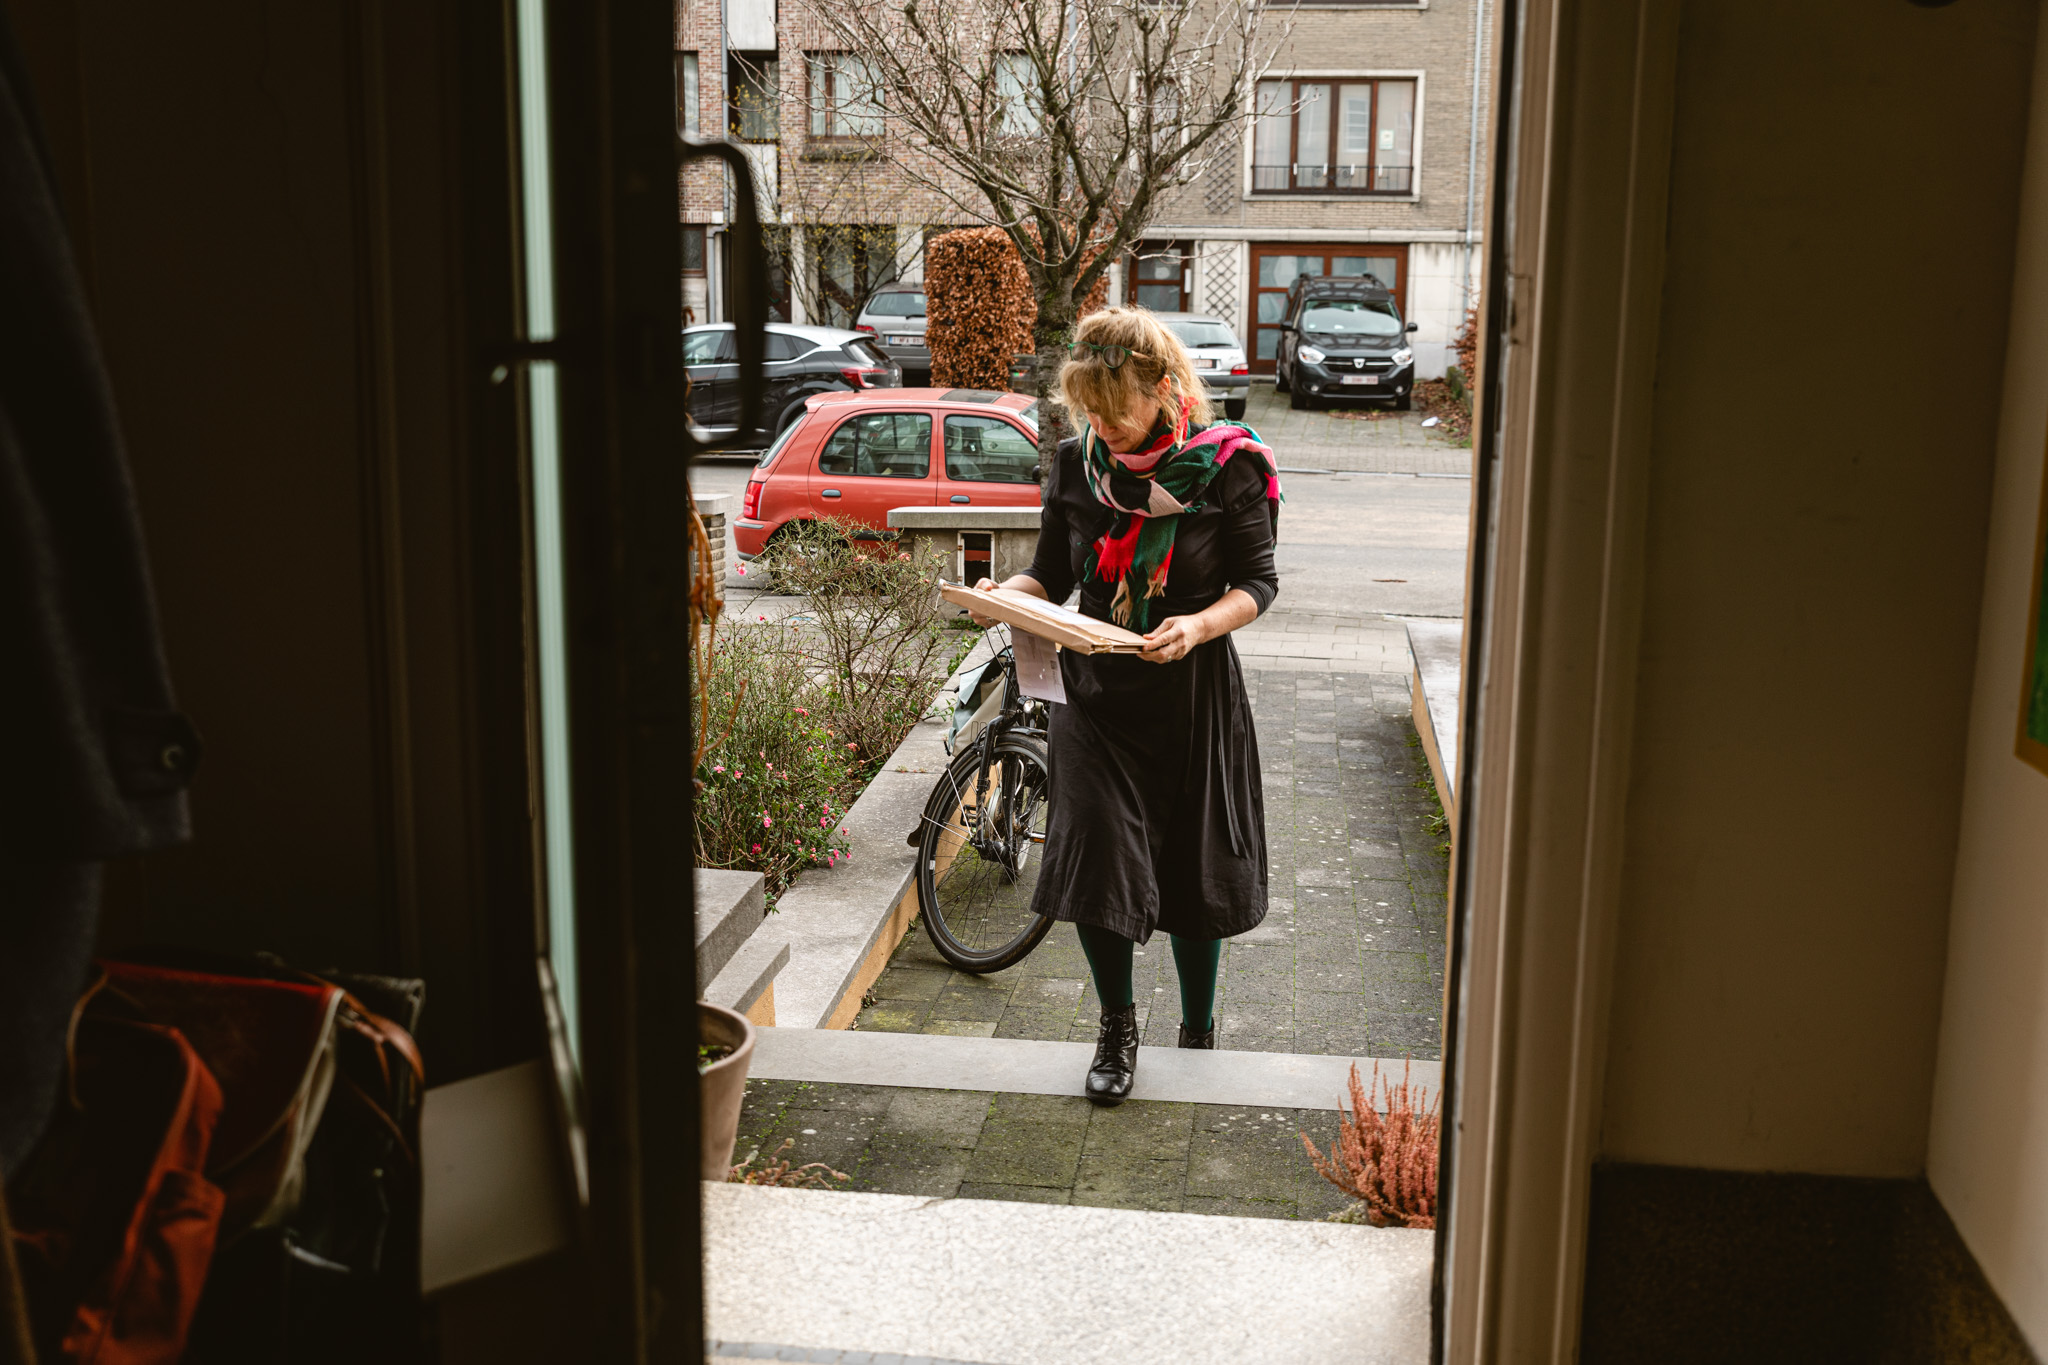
<point>1088,384</point>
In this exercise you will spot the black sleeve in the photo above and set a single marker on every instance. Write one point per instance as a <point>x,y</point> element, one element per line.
<point>1052,563</point>
<point>1248,528</point>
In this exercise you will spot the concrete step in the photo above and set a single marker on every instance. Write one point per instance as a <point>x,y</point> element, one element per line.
<point>730,907</point>
<point>1030,1067</point>
<point>1005,1283</point>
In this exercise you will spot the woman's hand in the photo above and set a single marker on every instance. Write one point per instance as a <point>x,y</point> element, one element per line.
<point>1173,638</point>
<point>1022,582</point>
<point>983,621</point>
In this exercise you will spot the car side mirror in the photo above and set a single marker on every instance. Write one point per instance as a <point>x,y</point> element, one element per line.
<point>1286,327</point>
<point>1414,327</point>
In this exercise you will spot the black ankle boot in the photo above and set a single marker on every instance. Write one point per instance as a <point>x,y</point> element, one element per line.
<point>1116,1057</point>
<point>1201,1040</point>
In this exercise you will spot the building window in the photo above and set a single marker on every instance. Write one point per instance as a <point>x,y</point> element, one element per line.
<point>844,100</point>
<point>754,110</point>
<point>687,93</point>
<point>693,249</point>
<point>1334,137</point>
<point>1016,112</point>
<point>1159,277</point>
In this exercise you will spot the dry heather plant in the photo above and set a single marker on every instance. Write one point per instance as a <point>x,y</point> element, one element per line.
<point>812,1175</point>
<point>1388,1164</point>
<point>876,644</point>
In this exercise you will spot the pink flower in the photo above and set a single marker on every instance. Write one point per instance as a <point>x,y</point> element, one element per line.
<point>853,746</point>
<point>832,860</point>
<point>800,711</point>
<point>824,822</point>
<point>760,618</point>
<point>743,571</point>
<point>767,822</point>
<point>757,848</point>
<point>718,767</point>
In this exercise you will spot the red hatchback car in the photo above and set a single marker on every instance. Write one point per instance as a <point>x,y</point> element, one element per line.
<point>857,455</point>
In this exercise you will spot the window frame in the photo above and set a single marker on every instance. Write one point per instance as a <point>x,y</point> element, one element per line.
<point>946,448</point>
<point>1294,81</point>
<point>689,93</point>
<point>930,432</point>
<point>829,104</point>
<point>741,70</point>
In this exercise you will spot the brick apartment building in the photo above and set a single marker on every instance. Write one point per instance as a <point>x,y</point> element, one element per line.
<point>1361,156</point>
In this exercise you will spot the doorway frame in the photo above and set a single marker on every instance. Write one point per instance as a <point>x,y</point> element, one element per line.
<point>1326,250</point>
<point>1575,242</point>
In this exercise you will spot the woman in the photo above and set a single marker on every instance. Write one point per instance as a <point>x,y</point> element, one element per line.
<point>1165,522</point>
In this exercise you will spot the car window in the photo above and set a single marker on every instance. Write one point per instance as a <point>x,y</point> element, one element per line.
<point>788,433</point>
<point>989,450</point>
<point>707,348</point>
<point>783,346</point>
<point>896,445</point>
<point>1202,333</point>
<point>867,352</point>
<point>896,306</point>
<point>1356,317</point>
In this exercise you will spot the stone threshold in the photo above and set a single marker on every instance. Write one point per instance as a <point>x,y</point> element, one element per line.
<point>1004,1283</point>
<point>1026,1066</point>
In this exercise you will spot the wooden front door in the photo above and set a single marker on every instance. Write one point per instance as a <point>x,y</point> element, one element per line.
<point>1276,266</point>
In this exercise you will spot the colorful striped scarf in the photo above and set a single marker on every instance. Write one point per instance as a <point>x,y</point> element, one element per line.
<point>1149,489</point>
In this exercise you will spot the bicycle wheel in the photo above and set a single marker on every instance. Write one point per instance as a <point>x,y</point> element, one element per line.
<point>978,855</point>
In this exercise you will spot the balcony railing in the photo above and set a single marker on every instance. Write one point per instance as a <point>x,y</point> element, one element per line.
<point>1300,177</point>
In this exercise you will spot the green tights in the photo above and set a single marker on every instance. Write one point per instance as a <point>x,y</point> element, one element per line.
<point>1195,959</point>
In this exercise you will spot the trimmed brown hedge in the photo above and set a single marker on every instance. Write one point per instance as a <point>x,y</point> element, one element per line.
<point>978,307</point>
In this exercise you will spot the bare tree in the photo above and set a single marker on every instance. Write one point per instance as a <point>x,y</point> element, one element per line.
<point>1063,122</point>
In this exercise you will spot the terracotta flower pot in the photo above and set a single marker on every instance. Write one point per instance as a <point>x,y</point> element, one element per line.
<point>722,1086</point>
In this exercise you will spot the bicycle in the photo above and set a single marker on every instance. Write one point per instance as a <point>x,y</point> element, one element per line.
<point>982,830</point>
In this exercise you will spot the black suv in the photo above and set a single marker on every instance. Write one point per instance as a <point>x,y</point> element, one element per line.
<point>1342,337</point>
<point>801,361</point>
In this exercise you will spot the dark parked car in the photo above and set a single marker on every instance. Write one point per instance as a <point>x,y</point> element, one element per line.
<point>895,315</point>
<point>1342,337</point>
<point>801,362</point>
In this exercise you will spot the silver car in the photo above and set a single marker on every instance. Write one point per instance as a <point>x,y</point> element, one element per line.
<point>1219,357</point>
<point>894,315</point>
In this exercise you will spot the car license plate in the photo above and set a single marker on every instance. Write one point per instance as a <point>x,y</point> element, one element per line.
<point>1201,364</point>
<point>904,341</point>
<point>1361,378</point>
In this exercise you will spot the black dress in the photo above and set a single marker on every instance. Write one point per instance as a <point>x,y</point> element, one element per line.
<point>1157,820</point>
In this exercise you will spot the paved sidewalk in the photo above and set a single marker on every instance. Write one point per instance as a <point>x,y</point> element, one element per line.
<point>1050,1149</point>
<point>1350,959</point>
<point>1353,437</point>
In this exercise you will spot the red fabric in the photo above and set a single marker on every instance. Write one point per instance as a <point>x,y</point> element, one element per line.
<point>116,1220</point>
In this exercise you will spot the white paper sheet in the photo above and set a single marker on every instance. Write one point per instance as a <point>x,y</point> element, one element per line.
<point>1038,667</point>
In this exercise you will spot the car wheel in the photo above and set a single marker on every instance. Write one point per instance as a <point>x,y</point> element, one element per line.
<point>1404,403</point>
<point>1279,377</point>
<point>1233,408</point>
<point>1297,400</point>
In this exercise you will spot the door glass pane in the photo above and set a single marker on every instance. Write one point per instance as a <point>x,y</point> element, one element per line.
<point>988,450</point>
<point>783,346</point>
<point>1312,161</point>
<point>1269,343</point>
<point>550,628</point>
<point>894,445</point>
<point>1395,150</point>
<point>1272,135</point>
<point>1354,137</point>
<point>1386,269</point>
<point>1277,272</point>
<point>1272,307</point>
<point>1160,298</point>
<point>700,348</point>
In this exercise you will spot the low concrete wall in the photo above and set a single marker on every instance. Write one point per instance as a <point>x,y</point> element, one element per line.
<point>1013,532</point>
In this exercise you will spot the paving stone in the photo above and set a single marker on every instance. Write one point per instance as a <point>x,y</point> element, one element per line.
<point>944,1118</point>
<point>1022,1194</point>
